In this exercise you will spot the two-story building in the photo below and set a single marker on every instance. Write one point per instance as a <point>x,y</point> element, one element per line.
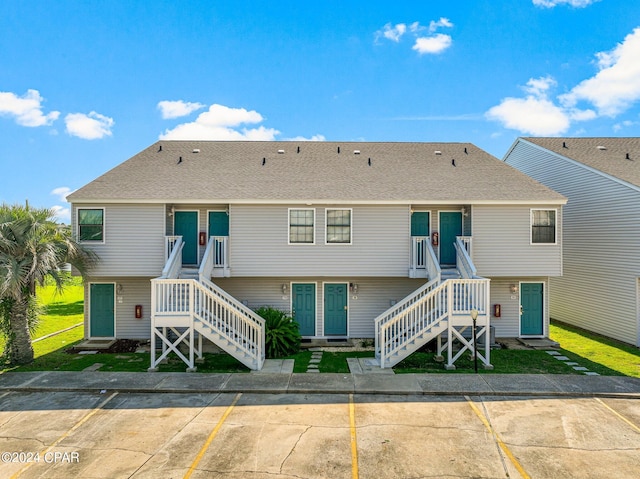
<point>600,288</point>
<point>349,237</point>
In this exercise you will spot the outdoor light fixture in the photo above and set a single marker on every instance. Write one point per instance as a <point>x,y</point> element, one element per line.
<point>284,288</point>
<point>474,317</point>
<point>513,288</point>
<point>354,288</point>
<point>464,211</point>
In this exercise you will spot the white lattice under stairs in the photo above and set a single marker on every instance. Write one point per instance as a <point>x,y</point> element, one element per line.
<point>184,311</point>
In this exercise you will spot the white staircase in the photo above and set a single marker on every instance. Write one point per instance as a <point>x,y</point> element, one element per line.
<point>443,305</point>
<point>187,307</point>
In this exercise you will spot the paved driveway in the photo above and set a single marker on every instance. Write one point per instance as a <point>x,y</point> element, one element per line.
<point>170,435</point>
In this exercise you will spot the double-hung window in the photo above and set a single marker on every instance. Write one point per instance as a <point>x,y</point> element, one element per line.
<point>338,226</point>
<point>301,226</point>
<point>543,227</point>
<point>91,224</point>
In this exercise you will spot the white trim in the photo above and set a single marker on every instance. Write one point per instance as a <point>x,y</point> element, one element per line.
<point>638,312</point>
<point>173,227</point>
<point>315,306</point>
<point>115,312</point>
<point>555,226</point>
<point>289,226</point>
<point>336,336</point>
<point>326,242</point>
<point>104,224</point>
<point>324,201</point>
<point>545,313</point>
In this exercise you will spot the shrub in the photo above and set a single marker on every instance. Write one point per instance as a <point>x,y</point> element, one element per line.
<point>282,334</point>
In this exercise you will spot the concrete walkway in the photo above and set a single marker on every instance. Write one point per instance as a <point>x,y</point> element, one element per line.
<point>292,383</point>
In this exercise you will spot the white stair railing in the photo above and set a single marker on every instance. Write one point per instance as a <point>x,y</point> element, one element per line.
<point>465,266</point>
<point>425,314</point>
<point>174,260</point>
<point>213,313</point>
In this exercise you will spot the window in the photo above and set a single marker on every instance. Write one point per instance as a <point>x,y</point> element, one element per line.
<point>339,226</point>
<point>543,226</point>
<point>301,226</point>
<point>91,224</point>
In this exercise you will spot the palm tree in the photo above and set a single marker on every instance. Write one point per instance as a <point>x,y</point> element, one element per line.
<point>32,247</point>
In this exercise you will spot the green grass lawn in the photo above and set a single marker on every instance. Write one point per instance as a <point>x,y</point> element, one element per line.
<point>599,354</point>
<point>60,311</point>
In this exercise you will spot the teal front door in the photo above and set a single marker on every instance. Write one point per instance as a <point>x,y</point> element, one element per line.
<point>420,223</point>
<point>303,307</point>
<point>101,311</point>
<point>218,223</point>
<point>335,309</point>
<point>532,309</point>
<point>450,228</point>
<point>185,224</point>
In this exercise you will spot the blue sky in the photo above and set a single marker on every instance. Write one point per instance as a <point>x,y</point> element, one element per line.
<point>84,85</point>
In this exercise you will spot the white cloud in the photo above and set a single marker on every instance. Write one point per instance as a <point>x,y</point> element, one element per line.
<point>27,109</point>
<point>176,109</point>
<point>62,192</point>
<point>221,123</point>
<point>617,85</point>
<point>612,91</point>
<point>623,124</point>
<point>434,44</point>
<point>390,32</point>
<point>302,138</point>
<point>536,116</point>
<point>62,214</point>
<point>443,22</point>
<point>88,127</point>
<point>572,3</point>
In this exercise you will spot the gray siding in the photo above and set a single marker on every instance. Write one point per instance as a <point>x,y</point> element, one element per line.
<point>501,242</point>
<point>134,291</point>
<point>598,290</point>
<point>133,240</point>
<point>373,298</point>
<point>259,243</point>
<point>508,325</point>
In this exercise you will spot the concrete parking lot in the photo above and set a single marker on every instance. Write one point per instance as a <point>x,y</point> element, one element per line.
<point>244,435</point>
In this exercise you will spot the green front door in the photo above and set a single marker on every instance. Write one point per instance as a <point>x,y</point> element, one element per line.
<point>185,224</point>
<point>101,311</point>
<point>335,309</point>
<point>532,309</point>
<point>420,223</point>
<point>303,307</point>
<point>450,228</point>
<point>218,223</point>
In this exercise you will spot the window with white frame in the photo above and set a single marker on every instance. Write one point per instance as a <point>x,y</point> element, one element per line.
<point>339,226</point>
<point>301,226</point>
<point>543,226</point>
<point>91,224</point>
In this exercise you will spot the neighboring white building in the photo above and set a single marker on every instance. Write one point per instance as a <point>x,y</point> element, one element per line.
<point>600,288</point>
<point>336,232</point>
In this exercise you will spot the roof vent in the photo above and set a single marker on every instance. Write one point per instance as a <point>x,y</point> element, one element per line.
<point>280,152</point>
<point>600,147</point>
<point>196,150</point>
<point>438,152</point>
<point>356,152</point>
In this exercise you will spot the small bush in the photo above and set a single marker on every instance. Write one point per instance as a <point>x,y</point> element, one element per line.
<point>282,334</point>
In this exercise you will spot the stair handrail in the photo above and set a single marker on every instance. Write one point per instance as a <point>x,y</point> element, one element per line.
<point>420,321</point>
<point>433,266</point>
<point>251,329</point>
<point>464,264</point>
<point>173,265</point>
<point>206,267</point>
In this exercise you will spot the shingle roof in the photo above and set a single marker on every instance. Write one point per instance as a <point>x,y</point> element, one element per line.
<point>608,155</point>
<point>313,171</point>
